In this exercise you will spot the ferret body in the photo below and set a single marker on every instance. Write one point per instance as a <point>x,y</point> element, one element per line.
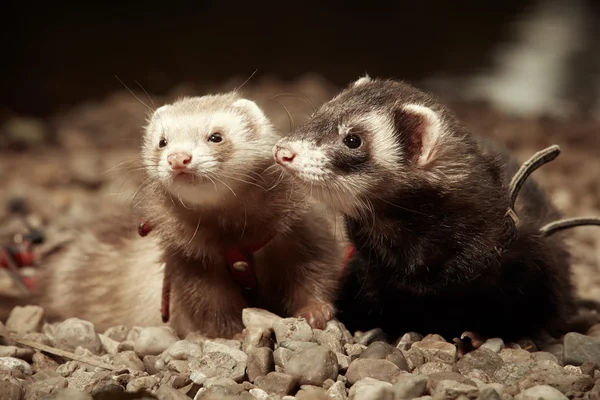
<point>208,188</point>
<point>425,205</point>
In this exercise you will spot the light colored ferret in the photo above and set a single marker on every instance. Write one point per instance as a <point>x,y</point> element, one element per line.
<point>208,187</point>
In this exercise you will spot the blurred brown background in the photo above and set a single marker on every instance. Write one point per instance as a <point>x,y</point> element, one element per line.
<point>524,72</point>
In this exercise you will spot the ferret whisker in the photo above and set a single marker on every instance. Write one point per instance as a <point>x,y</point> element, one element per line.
<point>213,182</point>
<point>181,200</point>
<point>134,95</point>
<point>121,164</point>
<point>242,180</point>
<point>289,115</point>
<point>246,81</point>
<point>149,98</point>
<point>301,96</point>
<point>195,232</point>
<point>226,185</point>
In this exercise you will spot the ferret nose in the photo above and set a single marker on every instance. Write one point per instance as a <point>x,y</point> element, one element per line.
<point>179,160</point>
<point>283,155</point>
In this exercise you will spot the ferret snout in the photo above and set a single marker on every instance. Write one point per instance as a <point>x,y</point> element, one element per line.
<point>283,155</point>
<point>179,160</point>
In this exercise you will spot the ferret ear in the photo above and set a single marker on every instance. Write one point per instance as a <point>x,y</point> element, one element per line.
<point>362,80</point>
<point>420,130</point>
<point>251,108</point>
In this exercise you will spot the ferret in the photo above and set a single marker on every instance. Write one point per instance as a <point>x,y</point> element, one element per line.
<point>209,187</point>
<point>425,204</point>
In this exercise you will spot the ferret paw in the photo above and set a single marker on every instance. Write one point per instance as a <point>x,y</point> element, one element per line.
<point>316,314</point>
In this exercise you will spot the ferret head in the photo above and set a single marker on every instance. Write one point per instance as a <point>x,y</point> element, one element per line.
<point>373,135</point>
<point>201,148</point>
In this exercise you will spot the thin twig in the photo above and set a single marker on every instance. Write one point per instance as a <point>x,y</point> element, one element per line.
<point>567,223</point>
<point>61,353</point>
<point>537,160</point>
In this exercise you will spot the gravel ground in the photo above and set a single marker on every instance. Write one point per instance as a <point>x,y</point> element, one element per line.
<point>67,166</point>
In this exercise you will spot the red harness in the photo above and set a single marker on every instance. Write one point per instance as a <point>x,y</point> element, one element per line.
<point>240,262</point>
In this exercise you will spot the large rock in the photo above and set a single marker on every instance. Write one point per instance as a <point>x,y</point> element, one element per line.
<point>580,348</point>
<point>313,366</point>
<point>75,332</point>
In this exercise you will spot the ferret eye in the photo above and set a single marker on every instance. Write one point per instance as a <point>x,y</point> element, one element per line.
<point>352,141</point>
<point>215,138</point>
<point>162,143</point>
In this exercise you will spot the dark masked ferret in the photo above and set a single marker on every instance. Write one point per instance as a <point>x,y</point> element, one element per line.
<point>425,204</point>
<point>208,190</point>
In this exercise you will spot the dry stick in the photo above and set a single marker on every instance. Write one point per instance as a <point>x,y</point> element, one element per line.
<point>567,223</point>
<point>537,160</point>
<point>62,353</point>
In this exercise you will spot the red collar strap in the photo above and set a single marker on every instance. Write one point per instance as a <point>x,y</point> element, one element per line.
<point>240,262</point>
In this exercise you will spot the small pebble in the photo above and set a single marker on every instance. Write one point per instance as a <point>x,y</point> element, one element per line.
<point>153,341</point>
<point>259,318</point>
<point>382,370</point>
<point>436,350</point>
<point>313,366</point>
<point>25,319</point>
<point>544,392</point>
<point>75,332</point>
<point>276,383</point>
<point>292,329</point>
<point>15,364</point>
<point>260,362</point>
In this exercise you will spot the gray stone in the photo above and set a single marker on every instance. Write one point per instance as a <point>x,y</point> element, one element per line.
<point>545,374</point>
<point>109,345</point>
<point>488,393</point>
<point>329,340</point>
<point>482,359</point>
<point>371,389</point>
<point>414,358</point>
<point>354,350</point>
<point>556,349</point>
<point>75,332</point>
<point>150,364</point>
<point>25,319</point>
<point>408,386</point>
<point>182,350</point>
<point>118,333</point>
<point>257,337</point>
<point>281,356</point>
<point>73,394</point>
<point>295,345</point>
<point>544,355</point>
<point>166,392</point>
<point>511,372</point>
<point>40,362</point>
<point>515,355</point>
<point>219,365</point>
<point>46,389</point>
<point>259,318</point>
<point>343,361</point>
<point>407,340</point>
<point>435,379</point>
<point>216,347</point>
<point>448,389</point>
<point>337,391</point>
<point>371,336</point>
<point>313,366</point>
<point>129,360</point>
<point>580,348</point>
<point>24,353</point>
<point>434,350</point>
<point>153,340</point>
<point>260,362</point>
<point>382,370</point>
<point>149,383</point>
<point>38,337</point>
<point>494,344</point>
<point>538,392</point>
<point>15,364</point>
<point>276,383</point>
<point>292,329</point>
<point>10,390</point>
<point>259,394</point>
<point>433,367</point>
<point>80,379</point>
<point>385,351</point>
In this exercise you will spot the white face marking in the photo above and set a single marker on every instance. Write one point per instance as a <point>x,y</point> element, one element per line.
<point>385,149</point>
<point>216,169</point>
